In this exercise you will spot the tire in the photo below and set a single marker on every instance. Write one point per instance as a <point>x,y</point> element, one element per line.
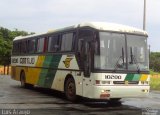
<point>70,90</point>
<point>114,100</point>
<point>23,81</point>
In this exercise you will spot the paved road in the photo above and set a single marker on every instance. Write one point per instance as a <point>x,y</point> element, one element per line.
<point>38,101</point>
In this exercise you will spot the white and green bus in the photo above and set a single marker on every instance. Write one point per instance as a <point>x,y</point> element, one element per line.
<point>94,60</point>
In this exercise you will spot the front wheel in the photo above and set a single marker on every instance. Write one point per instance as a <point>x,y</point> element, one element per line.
<point>115,101</point>
<point>70,89</point>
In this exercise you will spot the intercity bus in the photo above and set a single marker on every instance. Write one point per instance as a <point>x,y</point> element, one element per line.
<point>94,60</point>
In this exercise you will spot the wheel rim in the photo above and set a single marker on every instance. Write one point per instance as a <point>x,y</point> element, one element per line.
<point>22,80</point>
<point>71,89</point>
<point>70,92</point>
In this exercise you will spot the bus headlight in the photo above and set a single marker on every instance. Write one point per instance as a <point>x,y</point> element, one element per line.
<point>106,82</point>
<point>145,90</point>
<point>98,82</point>
<point>144,82</point>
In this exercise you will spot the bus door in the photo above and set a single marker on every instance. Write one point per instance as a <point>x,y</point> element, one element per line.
<point>85,60</point>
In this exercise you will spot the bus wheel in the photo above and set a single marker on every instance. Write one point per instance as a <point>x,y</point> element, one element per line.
<point>70,89</point>
<point>115,101</point>
<point>23,81</point>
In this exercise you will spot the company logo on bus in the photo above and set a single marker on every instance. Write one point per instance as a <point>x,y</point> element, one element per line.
<point>67,62</point>
<point>113,77</point>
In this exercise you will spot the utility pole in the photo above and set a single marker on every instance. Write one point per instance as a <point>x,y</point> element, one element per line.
<point>144,24</point>
<point>144,16</point>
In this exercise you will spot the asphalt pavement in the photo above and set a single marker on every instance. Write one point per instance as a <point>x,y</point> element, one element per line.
<point>15,100</point>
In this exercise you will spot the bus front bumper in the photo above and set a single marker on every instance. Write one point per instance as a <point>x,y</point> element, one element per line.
<point>107,92</point>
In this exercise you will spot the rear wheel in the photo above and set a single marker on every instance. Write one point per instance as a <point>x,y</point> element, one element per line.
<point>23,81</point>
<point>70,89</point>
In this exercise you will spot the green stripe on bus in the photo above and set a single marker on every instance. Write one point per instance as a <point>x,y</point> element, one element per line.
<point>132,77</point>
<point>52,61</point>
<point>129,77</point>
<point>50,78</point>
<point>42,77</point>
<point>136,77</point>
<point>47,75</point>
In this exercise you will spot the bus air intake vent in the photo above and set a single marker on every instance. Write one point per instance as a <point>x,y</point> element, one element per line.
<point>124,82</point>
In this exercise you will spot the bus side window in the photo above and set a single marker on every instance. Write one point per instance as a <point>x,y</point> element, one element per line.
<point>31,45</point>
<point>53,43</point>
<point>24,47</point>
<point>14,50</point>
<point>19,47</point>
<point>40,45</point>
<point>67,42</point>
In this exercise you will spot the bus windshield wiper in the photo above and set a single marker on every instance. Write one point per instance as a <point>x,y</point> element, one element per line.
<point>134,60</point>
<point>117,63</point>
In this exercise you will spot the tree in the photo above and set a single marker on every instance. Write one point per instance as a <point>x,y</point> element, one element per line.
<point>6,38</point>
<point>155,61</point>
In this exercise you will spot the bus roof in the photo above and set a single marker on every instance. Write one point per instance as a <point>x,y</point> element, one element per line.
<point>114,27</point>
<point>96,25</point>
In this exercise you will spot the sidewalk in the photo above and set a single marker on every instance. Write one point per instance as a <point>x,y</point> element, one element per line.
<point>2,70</point>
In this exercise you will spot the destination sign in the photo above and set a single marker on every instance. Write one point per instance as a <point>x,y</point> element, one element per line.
<point>24,60</point>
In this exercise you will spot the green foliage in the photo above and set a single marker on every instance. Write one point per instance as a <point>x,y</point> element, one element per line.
<point>155,61</point>
<point>6,38</point>
<point>153,72</point>
<point>155,83</point>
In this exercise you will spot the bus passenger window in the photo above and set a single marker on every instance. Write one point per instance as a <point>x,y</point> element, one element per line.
<point>67,40</point>
<point>15,48</point>
<point>31,45</point>
<point>53,44</point>
<point>19,47</point>
<point>40,45</point>
<point>24,47</point>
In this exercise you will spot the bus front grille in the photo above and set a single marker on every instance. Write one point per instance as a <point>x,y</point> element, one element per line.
<point>125,82</point>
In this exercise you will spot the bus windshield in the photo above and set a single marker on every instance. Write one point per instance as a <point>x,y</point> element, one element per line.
<point>111,52</point>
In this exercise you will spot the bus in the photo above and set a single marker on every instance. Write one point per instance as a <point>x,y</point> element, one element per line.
<point>94,60</point>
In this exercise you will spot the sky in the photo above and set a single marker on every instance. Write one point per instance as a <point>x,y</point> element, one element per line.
<point>43,15</point>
